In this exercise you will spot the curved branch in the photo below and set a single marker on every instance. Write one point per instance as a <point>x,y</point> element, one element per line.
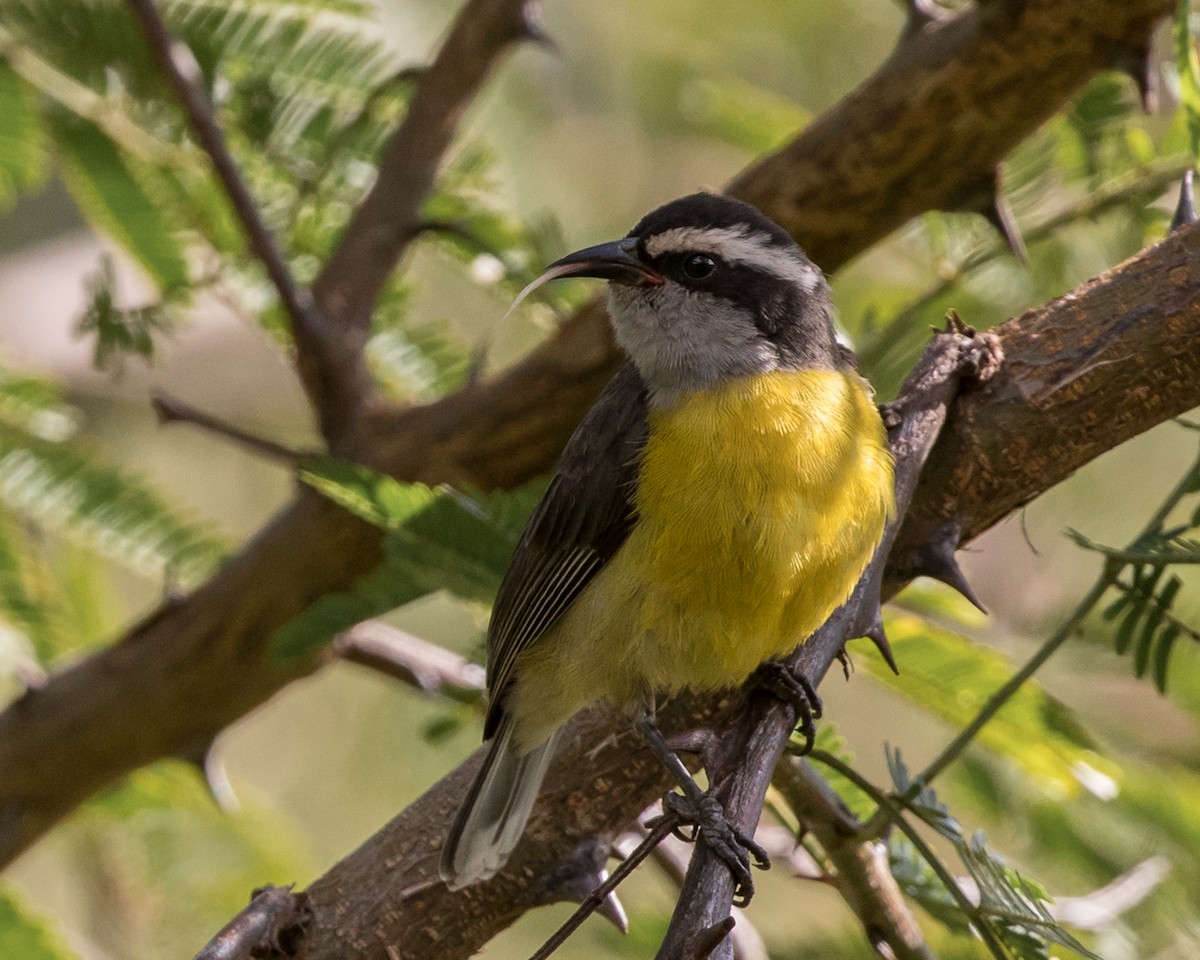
<point>120,708</point>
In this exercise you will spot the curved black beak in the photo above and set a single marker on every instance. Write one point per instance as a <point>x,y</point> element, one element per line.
<point>617,261</point>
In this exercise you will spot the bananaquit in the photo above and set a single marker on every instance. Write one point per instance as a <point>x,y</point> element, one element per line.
<point>713,508</point>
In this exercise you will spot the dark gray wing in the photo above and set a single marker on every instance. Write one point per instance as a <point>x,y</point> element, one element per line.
<point>581,522</point>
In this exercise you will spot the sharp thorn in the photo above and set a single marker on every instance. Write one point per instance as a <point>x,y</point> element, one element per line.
<point>999,214</point>
<point>921,12</point>
<point>940,563</point>
<point>983,196</point>
<point>878,636</point>
<point>216,780</point>
<point>576,879</point>
<point>1185,210</point>
<point>1139,64</point>
<point>533,27</point>
<point>612,909</point>
<point>704,942</point>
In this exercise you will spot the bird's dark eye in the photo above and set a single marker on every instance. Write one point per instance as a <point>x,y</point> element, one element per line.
<point>699,265</point>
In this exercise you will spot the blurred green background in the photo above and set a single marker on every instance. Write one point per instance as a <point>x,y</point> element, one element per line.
<point>641,101</point>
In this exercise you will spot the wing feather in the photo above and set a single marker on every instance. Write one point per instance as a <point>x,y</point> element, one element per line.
<point>581,522</point>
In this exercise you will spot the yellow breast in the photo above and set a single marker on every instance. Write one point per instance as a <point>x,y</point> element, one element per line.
<point>759,504</point>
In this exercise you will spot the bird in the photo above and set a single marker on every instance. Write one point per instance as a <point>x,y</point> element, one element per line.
<point>718,502</point>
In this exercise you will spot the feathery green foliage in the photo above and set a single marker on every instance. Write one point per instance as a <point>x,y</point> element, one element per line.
<point>437,539</point>
<point>100,508</point>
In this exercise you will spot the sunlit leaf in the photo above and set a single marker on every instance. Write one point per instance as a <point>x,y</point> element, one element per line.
<point>111,197</point>
<point>436,539</point>
<point>22,139</point>
<point>952,677</point>
<point>26,936</point>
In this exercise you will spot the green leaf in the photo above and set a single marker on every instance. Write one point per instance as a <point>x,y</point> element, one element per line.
<point>20,604</point>
<point>436,540</point>
<point>375,497</point>
<point>1162,655</point>
<point>34,406</point>
<point>22,146</point>
<point>101,508</point>
<point>116,203</point>
<point>925,802</point>
<point>1016,905</point>
<point>1188,64</point>
<point>952,678</point>
<point>24,936</point>
<point>119,332</point>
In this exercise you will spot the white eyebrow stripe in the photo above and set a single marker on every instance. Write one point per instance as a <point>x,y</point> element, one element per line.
<point>736,245</point>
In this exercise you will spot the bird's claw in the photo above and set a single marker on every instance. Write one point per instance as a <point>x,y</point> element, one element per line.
<point>794,689</point>
<point>735,849</point>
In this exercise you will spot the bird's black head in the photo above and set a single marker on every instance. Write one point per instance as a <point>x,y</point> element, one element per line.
<point>706,288</point>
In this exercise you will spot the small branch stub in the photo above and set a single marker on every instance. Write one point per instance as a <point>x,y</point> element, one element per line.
<point>272,926</point>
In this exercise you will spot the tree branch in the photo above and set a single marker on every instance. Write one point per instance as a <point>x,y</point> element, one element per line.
<point>414,662</point>
<point>329,373</point>
<point>389,215</point>
<point>119,708</point>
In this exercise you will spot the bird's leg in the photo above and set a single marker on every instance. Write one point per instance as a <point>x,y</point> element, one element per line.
<point>795,689</point>
<point>699,808</point>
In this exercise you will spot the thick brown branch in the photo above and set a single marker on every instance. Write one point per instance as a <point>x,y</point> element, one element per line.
<point>118,709</point>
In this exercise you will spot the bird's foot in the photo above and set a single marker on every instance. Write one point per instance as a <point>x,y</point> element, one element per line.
<point>794,689</point>
<point>734,848</point>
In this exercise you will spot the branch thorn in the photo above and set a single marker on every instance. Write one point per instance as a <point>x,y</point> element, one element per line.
<point>878,636</point>
<point>984,196</point>
<point>533,27</point>
<point>921,13</point>
<point>204,758</point>
<point>937,560</point>
<point>999,214</point>
<point>1185,210</point>
<point>702,943</point>
<point>1138,63</point>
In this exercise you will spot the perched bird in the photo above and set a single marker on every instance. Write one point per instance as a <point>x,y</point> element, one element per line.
<point>718,502</point>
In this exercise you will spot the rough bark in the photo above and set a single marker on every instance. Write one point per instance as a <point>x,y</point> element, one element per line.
<point>121,707</point>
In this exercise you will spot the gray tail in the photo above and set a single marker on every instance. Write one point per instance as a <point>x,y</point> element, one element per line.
<point>493,816</point>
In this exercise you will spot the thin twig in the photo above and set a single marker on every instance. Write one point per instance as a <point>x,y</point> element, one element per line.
<point>418,663</point>
<point>889,808</point>
<point>323,367</point>
<point>383,224</point>
<point>593,901</point>
<point>173,410</point>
